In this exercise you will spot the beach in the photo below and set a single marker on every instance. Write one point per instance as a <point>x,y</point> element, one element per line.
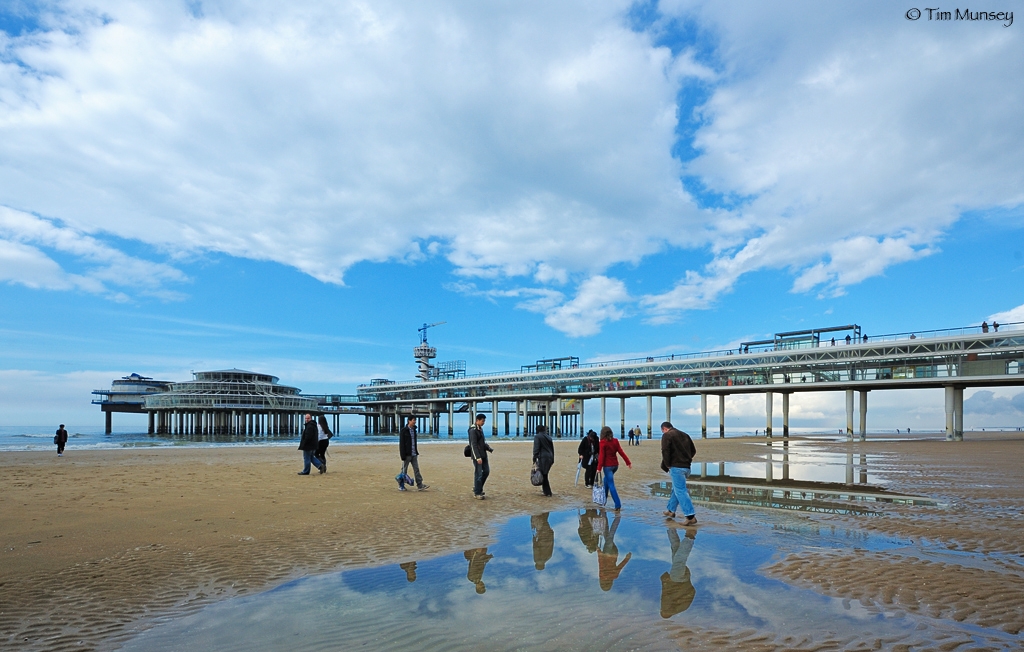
<point>97,544</point>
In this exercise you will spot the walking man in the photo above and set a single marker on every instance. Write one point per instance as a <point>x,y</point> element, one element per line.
<point>308,445</point>
<point>61,439</point>
<point>410,454</point>
<point>478,450</point>
<point>677,452</point>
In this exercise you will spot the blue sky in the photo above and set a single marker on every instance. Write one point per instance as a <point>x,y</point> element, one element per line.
<point>294,190</point>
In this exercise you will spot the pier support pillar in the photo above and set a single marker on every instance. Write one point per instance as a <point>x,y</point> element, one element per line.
<point>558,417</point>
<point>519,407</point>
<point>785,414</point>
<point>152,419</point>
<point>109,422</point>
<point>583,402</point>
<point>769,400</point>
<point>863,414</point>
<point>451,419</point>
<point>603,407</point>
<point>958,417</point>
<point>849,415</point>
<point>668,409</point>
<point>704,416</point>
<point>506,424</point>
<point>547,416</point>
<point>950,392</point>
<point>622,417</point>
<point>494,418</point>
<point>721,415</point>
<point>650,405</point>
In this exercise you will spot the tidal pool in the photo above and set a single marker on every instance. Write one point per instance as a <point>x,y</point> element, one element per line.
<point>568,580</point>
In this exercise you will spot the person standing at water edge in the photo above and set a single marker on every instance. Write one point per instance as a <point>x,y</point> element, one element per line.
<point>408,449</point>
<point>478,449</point>
<point>543,456</point>
<point>61,439</point>
<point>323,440</point>
<point>607,459</point>
<point>677,452</point>
<point>308,445</point>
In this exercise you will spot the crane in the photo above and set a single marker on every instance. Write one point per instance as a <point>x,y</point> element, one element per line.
<point>423,330</point>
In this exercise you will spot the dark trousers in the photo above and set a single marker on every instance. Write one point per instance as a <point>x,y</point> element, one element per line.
<point>321,450</point>
<point>544,484</point>
<point>480,474</point>
<point>590,474</point>
<point>60,447</point>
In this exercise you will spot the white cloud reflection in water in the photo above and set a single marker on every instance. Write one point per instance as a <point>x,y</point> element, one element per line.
<point>560,607</point>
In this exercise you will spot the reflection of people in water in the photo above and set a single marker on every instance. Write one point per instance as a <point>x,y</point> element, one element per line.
<point>478,558</point>
<point>410,570</point>
<point>592,524</point>
<point>543,540</point>
<point>608,558</point>
<point>676,588</point>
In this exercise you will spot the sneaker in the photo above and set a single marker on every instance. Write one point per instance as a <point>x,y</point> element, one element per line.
<point>423,487</point>
<point>478,496</point>
<point>401,487</point>
<point>323,469</point>
<point>301,473</point>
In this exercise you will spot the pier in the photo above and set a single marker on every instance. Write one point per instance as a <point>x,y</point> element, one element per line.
<point>798,361</point>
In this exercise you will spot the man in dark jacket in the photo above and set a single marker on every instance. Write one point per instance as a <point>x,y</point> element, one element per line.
<point>543,456</point>
<point>308,445</point>
<point>61,439</point>
<point>478,450</point>
<point>677,452</point>
<point>410,453</point>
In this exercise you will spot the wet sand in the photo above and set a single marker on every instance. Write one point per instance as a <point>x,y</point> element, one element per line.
<point>97,543</point>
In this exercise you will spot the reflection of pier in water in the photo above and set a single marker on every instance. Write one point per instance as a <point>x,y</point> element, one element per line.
<point>767,491</point>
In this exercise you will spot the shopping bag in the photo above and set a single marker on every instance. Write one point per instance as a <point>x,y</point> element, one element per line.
<point>536,478</point>
<point>598,495</point>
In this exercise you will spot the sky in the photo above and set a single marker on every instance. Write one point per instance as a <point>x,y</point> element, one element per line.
<point>295,188</point>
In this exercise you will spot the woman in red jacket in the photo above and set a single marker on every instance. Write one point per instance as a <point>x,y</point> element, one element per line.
<point>607,459</point>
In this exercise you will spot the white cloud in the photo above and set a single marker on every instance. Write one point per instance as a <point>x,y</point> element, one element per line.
<point>528,140</point>
<point>597,301</point>
<point>1013,315</point>
<point>23,261</point>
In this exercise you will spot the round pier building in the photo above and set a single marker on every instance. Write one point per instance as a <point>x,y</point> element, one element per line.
<point>228,402</point>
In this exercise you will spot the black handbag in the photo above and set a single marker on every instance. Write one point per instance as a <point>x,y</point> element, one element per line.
<point>468,452</point>
<point>536,477</point>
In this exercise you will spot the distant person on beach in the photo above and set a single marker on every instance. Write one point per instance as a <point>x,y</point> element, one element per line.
<point>61,439</point>
<point>478,450</point>
<point>543,540</point>
<point>607,459</point>
<point>323,440</point>
<point>543,456</point>
<point>589,447</point>
<point>478,559</point>
<point>638,433</point>
<point>608,566</point>
<point>408,449</point>
<point>677,590</point>
<point>677,452</point>
<point>308,445</point>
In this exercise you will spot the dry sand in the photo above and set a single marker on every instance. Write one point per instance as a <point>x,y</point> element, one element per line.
<point>95,543</point>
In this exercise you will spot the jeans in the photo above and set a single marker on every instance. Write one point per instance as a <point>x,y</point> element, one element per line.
<point>480,474</point>
<point>609,485</point>
<point>309,457</point>
<point>680,496</point>
<point>414,460</point>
